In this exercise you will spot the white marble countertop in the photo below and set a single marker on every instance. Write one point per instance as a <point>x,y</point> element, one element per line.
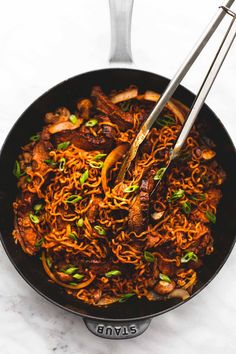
<point>44,42</point>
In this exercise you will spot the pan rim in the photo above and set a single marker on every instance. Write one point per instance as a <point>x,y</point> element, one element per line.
<point>88,316</point>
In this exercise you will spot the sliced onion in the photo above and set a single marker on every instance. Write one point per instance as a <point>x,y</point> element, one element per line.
<point>208,154</point>
<point>107,300</point>
<point>157,215</point>
<point>52,276</point>
<point>179,293</point>
<point>125,95</point>
<point>58,127</point>
<point>154,97</point>
<point>115,155</point>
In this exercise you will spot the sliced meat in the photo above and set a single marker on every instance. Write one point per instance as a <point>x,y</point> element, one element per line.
<point>84,139</point>
<point>40,154</point>
<point>62,114</point>
<point>84,107</point>
<point>214,195</point>
<point>26,234</point>
<point>65,278</point>
<point>93,210</point>
<point>103,104</point>
<point>139,212</point>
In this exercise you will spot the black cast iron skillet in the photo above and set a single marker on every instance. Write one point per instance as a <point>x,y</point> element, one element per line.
<point>132,317</point>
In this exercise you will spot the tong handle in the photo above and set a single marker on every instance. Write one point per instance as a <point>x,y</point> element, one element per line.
<point>206,85</point>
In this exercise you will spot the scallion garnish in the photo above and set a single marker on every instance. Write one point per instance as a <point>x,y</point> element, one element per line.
<point>17,171</point>
<point>49,262</point>
<point>34,218</point>
<point>70,270</point>
<point>186,207</point>
<point>189,256</point>
<point>100,230</point>
<point>198,197</point>
<point>91,123</point>
<point>73,284</point>
<point>131,189</point>
<point>28,179</point>
<point>73,119</point>
<point>80,222</point>
<point>62,164</point>
<point>74,198</point>
<point>63,146</point>
<point>99,156</point>
<point>78,276</point>
<point>149,256</point>
<point>159,174</point>
<point>125,297</point>
<point>73,236</point>
<point>112,273</point>
<point>210,216</point>
<point>84,177</point>
<point>37,207</point>
<point>176,195</point>
<point>50,162</point>
<point>39,242</point>
<point>164,277</point>
<point>166,120</point>
<point>95,164</point>
<point>34,138</point>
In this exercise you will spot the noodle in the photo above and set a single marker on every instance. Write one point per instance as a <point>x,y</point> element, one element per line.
<point>105,242</point>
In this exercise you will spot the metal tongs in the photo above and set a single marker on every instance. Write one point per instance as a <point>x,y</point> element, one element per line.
<point>202,93</point>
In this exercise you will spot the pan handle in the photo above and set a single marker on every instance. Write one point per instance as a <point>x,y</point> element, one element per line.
<point>117,330</point>
<point>121,14</point>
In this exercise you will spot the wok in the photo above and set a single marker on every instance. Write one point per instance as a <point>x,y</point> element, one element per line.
<point>129,319</point>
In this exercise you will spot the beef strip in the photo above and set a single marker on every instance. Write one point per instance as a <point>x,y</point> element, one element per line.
<point>124,120</point>
<point>139,212</point>
<point>84,139</point>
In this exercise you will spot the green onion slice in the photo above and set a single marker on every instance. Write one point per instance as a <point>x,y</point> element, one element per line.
<point>125,297</point>
<point>34,218</point>
<point>49,262</point>
<point>74,198</point>
<point>84,177</point>
<point>73,119</point>
<point>73,284</point>
<point>186,207</point>
<point>165,121</point>
<point>63,146</point>
<point>62,164</point>
<point>50,162</point>
<point>189,256</point>
<point>112,273</point>
<point>72,235</point>
<point>131,189</point>
<point>210,216</point>
<point>78,276</point>
<point>159,174</point>
<point>39,242</point>
<point>198,197</point>
<point>34,138</point>
<point>149,256</point>
<point>95,164</point>
<point>70,270</point>
<point>28,179</point>
<point>17,171</point>
<point>164,277</point>
<point>100,230</point>
<point>99,156</point>
<point>91,123</point>
<point>37,207</point>
<point>80,222</point>
<point>177,195</point>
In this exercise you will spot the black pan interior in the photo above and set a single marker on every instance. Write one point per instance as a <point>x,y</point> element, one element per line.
<point>66,94</point>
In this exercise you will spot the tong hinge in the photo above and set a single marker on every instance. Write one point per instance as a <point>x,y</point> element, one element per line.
<point>228,11</point>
